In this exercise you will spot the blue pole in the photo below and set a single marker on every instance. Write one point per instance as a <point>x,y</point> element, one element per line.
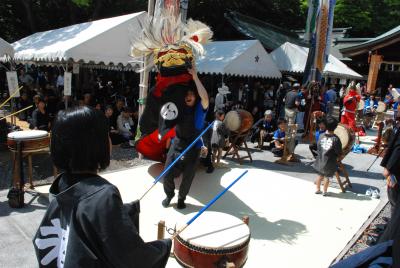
<point>215,199</point>
<point>182,154</point>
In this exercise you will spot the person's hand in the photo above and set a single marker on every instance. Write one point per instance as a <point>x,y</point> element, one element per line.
<point>193,72</point>
<point>204,151</point>
<point>386,172</point>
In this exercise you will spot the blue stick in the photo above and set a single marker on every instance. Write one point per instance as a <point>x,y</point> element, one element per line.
<point>159,177</point>
<point>215,199</point>
<point>182,154</point>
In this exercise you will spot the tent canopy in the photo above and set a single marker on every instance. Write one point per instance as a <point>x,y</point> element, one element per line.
<point>292,58</point>
<point>102,41</point>
<point>6,48</point>
<point>241,58</point>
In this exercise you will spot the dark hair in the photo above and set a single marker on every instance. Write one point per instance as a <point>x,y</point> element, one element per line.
<point>79,140</point>
<point>321,120</point>
<point>109,107</point>
<point>331,123</point>
<point>281,121</point>
<point>219,113</point>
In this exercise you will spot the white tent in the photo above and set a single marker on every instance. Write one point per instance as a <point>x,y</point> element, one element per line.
<point>292,58</point>
<point>6,49</point>
<point>103,41</point>
<point>241,58</point>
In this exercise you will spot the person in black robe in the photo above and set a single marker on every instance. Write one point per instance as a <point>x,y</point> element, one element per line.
<point>40,117</point>
<point>391,165</point>
<point>86,223</point>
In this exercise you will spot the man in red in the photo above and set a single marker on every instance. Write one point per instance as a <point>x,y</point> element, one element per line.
<point>350,103</point>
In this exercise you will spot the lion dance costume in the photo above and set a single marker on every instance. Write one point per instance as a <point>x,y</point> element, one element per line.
<point>350,103</point>
<point>173,45</point>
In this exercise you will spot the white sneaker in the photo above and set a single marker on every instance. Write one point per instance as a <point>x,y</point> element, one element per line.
<point>375,194</point>
<point>369,192</point>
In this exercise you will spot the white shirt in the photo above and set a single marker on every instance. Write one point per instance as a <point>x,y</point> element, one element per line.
<point>60,81</point>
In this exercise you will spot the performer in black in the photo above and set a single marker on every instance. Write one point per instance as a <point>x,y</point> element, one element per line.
<point>190,126</point>
<point>391,172</point>
<point>86,223</point>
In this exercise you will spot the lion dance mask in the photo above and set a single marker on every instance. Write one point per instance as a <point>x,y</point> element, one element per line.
<point>173,45</point>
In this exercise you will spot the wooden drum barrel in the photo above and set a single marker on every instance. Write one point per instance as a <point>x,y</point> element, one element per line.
<point>32,140</point>
<point>239,121</point>
<point>214,240</point>
<point>346,136</point>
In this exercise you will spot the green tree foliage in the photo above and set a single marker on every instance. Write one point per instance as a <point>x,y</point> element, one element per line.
<point>367,17</point>
<point>20,18</point>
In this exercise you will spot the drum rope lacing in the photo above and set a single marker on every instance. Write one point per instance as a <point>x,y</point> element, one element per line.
<point>204,250</point>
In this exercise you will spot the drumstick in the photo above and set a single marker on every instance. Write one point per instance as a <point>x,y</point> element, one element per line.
<point>159,177</point>
<point>208,205</point>
<point>12,95</point>
<point>26,108</point>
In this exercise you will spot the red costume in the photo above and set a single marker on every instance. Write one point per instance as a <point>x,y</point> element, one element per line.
<point>350,103</point>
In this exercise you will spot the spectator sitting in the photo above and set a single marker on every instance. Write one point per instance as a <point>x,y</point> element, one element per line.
<point>40,117</point>
<point>371,104</point>
<point>125,125</point>
<point>119,105</point>
<point>87,100</point>
<point>279,138</point>
<point>263,130</point>
<point>23,103</point>
<point>321,130</point>
<point>115,137</point>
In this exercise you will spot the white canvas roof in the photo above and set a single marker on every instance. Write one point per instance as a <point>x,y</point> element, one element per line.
<point>6,48</point>
<point>241,58</point>
<point>292,58</point>
<point>102,41</point>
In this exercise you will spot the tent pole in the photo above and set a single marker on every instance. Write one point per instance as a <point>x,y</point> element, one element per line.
<point>144,76</point>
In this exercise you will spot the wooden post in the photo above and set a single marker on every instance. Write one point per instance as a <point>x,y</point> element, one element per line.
<point>161,230</point>
<point>374,64</point>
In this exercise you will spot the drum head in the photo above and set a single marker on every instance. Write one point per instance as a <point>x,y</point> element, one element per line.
<point>232,121</point>
<point>343,134</point>
<point>215,230</point>
<point>27,135</point>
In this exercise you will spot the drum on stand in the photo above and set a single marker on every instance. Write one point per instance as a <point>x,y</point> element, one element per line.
<point>239,121</point>
<point>346,136</point>
<point>214,240</point>
<point>33,140</point>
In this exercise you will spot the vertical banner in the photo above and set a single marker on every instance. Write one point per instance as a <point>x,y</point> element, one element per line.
<point>67,84</point>
<point>321,39</point>
<point>313,6</point>
<point>374,65</point>
<point>12,81</point>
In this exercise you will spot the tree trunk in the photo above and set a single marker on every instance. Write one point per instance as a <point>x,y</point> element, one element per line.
<point>29,15</point>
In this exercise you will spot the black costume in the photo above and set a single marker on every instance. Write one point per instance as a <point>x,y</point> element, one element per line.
<point>40,120</point>
<point>391,162</point>
<point>187,131</point>
<point>86,225</point>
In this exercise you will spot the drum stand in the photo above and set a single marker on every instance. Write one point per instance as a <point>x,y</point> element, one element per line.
<point>237,141</point>
<point>346,182</point>
<point>380,117</point>
<point>290,144</point>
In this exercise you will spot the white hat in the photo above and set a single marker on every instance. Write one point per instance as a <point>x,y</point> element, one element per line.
<point>296,85</point>
<point>224,90</point>
<point>268,112</point>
